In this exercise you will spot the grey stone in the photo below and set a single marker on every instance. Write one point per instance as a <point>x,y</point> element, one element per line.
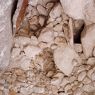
<point>5,32</point>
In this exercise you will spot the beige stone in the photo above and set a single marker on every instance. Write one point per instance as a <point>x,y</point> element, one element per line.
<point>63,57</point>
<point>78,47</point>
<point>34,40</point>
<point>56,11</point>
<point>15,52</point>
<point>93,76</point>
<point>41,20</point>
<point>32,51</point>
<point>86,80</point>
<point>42,10</point>
<point>47,36</point>
<point>91,61</point>
<point>81,76</point>
<point>88,40</point>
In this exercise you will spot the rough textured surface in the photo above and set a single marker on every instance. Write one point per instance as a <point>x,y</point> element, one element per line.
<point>48,57</point>
<point>64,59</point>
<point>80,9</point>
<point>5,32</point>
<point>88,40</point>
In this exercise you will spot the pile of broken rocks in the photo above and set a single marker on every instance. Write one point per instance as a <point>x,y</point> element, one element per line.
<point>53,52</point>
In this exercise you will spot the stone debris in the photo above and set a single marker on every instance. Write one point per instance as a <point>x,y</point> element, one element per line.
<point>64,57</point>
<point>32,51</point>
<point>53,49</point>
<point>88,39</point>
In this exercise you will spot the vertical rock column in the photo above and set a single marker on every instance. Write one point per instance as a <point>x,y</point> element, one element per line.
<point>5,32</point>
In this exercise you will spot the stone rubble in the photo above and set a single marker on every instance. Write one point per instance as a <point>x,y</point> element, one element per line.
<point>43,61</point>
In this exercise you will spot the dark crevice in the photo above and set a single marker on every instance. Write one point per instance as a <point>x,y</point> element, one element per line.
<point>77,36</point>
<point>14,7</point>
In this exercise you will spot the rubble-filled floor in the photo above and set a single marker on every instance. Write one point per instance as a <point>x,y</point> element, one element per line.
<point>34,68</point>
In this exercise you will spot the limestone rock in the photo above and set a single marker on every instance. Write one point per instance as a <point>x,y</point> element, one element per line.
<point>5,32</point>
<point>63,57</point>
<point>47,35</point>
<point>32,51</point>
<point>88,40</point>
<point>81,76</point>
<point>22,41</point>
<point>80,9</point>
<point>56,11</point>
<point>15,52</point>
<point>78,48</point>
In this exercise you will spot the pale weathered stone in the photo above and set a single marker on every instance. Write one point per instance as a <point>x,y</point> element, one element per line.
<point>33,2</point>
<point>79,9</point>
<point>22,41</point>
<point>78,47</point>
<point>15,52</point>
<point>89,73</point>
<point>60,41</point>
<point>46,36</point>
<point>5,32</point>
<point>86,80</point>
<point>88,40</point>
<point>58,28</point>
<point>93,76</point>
<point>56,11</point>
<point>88,88</point>
<point>65,81</point>
<point>41,20</point>
<point>78,91</point>
<point>38,90</point>
<point>25,63</point>
<point>67,87</point>
<point>63,57</point>
<point>42,10</point>
<point>32,51</point>
<point>91,61</point>
<point>34,40</point>
<point>81,76</point>
<point>57,79</point>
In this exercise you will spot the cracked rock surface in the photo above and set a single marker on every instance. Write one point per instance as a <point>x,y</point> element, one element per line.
<point>52,53</point>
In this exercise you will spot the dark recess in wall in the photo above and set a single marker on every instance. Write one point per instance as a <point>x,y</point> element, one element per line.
<point>13,11</point>
<point>77,37</point>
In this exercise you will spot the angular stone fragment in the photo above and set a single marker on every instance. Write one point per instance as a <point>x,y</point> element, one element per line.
<point>57,79</point>
<point>42,10</point>
<point>41,20</point>
<point>47,35</point>
<point>15,52</point>
<point>33,2</point>
<point>81,76</point>
<point>88,88</point>
<point>32,51</point>
<point>91,61</point>
<point>88,40</point>
<point>25,63</point>
<point>63,58</point>
<point>93,76</point>
<point>38,90</point>
<point>34,40</point>
<point>56,11</point>
<point>22,41</point>
<point>78,48</point>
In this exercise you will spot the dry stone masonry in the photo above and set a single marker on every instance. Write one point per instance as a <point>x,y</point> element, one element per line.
<point>47,47</point>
